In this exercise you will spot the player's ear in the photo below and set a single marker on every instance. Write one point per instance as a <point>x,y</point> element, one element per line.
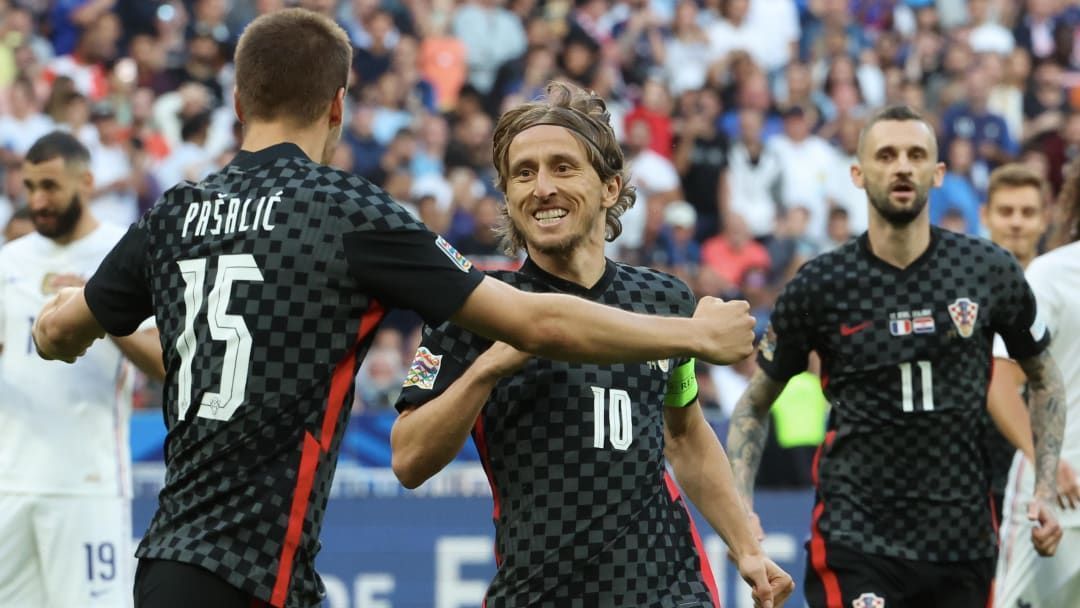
<point>337,108</point>
<point>857,176</point>
<point>612,187</point>
<point>939,174</point>
<point>236,106</point>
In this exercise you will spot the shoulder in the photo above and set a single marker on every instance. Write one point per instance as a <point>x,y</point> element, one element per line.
<point>967,250</point>
<point>670,286</point>
<point>362,203</point>
<point>1066,256</point>
<point>21,246</point>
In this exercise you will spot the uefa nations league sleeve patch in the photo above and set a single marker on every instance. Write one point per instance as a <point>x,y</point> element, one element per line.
<point>459,260</point>
<point>424,369</point>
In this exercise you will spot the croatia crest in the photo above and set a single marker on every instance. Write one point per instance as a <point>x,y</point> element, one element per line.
<point>424,369</point>
<point>459,260</point>
<point>868,600</point>
<point>964,312</point>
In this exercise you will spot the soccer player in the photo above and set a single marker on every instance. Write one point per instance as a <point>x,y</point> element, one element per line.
<point>1015,214</point>
<point>903,319</point>
<point>65,466</point>
<point>585,512</point>
<point>268,279</point>
<point>1023,577</point>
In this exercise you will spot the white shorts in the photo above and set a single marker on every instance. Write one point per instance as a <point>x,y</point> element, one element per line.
<point>1024,578</point>
<point>65,551</point>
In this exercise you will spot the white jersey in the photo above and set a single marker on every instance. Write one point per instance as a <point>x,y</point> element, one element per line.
<point>63,427</point>
<point>1055,279</point>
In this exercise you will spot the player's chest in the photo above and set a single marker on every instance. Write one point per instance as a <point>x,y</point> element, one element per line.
<point>884,317</point>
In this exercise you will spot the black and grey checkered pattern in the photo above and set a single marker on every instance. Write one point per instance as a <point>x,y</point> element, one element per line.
<point>577,525</point>
<point>909,482</point>
<point>231,485</point>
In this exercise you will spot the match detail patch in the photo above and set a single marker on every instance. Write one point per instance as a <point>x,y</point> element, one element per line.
<point>459,260</point>
<point>424,369</point>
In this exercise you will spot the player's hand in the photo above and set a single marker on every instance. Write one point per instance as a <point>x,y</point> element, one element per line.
<point>728,330</point>
<point>1068,486</point>
<point>770,585</point>
<point>1046,534</point>
<point>41,343</point>
<point>501,360</point>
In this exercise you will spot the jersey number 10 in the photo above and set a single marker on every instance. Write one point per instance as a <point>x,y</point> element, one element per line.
<point>616,411</point>
<point>224,327</point>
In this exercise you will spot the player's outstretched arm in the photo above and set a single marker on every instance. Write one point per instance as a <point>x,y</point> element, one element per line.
<point>748,431</point>
<point>702,470</point>
<point>65,328</point>
<point>570,328</point>
<point>1006,406</point>
<point>143,348</point>
<point>425,439</point>
<point>1047,402</point>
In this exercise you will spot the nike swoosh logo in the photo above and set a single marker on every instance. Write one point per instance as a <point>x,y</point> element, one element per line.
<point>850,330</point>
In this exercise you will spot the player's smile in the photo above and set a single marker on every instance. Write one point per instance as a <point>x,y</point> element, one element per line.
<point>550,217</point>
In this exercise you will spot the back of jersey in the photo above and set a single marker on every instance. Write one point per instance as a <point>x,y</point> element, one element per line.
<point>261,279</point>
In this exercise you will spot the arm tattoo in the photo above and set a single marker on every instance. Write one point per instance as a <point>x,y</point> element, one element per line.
<point>749,429</point>
<point>1047,405</point>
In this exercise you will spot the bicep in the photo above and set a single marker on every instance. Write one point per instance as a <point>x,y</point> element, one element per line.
<point>496,311</point>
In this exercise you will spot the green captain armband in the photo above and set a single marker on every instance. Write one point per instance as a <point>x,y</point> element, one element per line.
<point>682,386</point>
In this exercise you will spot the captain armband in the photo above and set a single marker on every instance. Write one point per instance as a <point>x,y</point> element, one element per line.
<point>682,387</point>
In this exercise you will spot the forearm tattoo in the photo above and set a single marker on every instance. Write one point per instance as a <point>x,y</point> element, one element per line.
<point>749,429</point>
<point>1046,397</point>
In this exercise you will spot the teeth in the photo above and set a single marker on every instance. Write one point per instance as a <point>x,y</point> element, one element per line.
<point>550,214</point>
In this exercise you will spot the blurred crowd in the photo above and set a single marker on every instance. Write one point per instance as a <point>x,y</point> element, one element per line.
<point>739,118</point>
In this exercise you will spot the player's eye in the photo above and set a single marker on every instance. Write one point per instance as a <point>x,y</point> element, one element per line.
<point>562,168</point>
<point>524,172</point>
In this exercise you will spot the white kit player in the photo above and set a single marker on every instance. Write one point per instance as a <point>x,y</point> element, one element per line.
<point>1024,578</point>
<point>65,484</point>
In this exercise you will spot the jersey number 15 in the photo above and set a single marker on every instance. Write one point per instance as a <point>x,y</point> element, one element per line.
<point>224,327</point>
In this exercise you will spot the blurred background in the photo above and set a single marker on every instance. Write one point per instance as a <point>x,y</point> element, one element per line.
<point>739,119</point>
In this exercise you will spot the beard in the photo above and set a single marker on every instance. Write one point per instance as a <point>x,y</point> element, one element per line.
<point>894,214</point>
<point>63,222</point>
<point>569,243</point>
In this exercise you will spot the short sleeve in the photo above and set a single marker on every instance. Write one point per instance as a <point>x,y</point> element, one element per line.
<point>786,346</point>
<point>413,269</point>
<point>119,293</point>
<point>443,356</point>
<point>1015,313</point>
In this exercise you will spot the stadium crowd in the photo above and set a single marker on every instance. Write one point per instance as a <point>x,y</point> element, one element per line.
<point>740,118</point>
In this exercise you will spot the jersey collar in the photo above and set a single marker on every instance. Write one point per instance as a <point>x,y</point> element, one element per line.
<point>246,160</point>
<point>562,285</point>
<point>864,247</point>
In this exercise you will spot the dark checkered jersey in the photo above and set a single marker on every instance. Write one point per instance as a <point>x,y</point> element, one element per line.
<point>585,514</point>
<point>268,280</point>
<point>906,360</point>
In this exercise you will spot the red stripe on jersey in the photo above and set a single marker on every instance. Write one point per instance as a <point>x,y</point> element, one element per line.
<point>833,599</point>
<point>342,380</point>
<point>817,558</point>
<point>481,446</point>
<point>705,568</point>
<point>305,478</point>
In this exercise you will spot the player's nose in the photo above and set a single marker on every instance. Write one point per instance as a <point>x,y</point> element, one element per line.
<point>544,184</point>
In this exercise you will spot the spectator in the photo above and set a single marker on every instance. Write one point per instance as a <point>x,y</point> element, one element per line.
<point>734,253</point>
<point>657,184</point>
<point>676,251</point>
<point>957,194</point>
<point>23,123</point>
<point>491,35</point>
<point>701,158</point>
<point>754,178</point>
<point>806,160</point>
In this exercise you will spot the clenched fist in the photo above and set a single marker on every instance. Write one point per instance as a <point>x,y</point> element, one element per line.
<point>728,330</point>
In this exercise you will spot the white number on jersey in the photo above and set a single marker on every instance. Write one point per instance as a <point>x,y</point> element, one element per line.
<point>619,419</point>
<point>224,327</point>
<point>926,386</point>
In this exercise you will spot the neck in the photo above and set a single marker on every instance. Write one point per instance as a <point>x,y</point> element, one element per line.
<point>259,135</point>
<point>583,265</point>
<point>898,246</point>
<point>1025,260</point>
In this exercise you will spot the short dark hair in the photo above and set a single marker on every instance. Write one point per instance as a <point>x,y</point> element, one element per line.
<point>898,112</point>
<point>290,65</point>
<point>58,144</point>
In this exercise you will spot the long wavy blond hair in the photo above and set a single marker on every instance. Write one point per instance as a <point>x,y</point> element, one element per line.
<point>585,115</point>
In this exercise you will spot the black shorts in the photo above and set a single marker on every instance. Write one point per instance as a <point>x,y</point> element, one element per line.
<point>167,584</point>
<point>841,577</point>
